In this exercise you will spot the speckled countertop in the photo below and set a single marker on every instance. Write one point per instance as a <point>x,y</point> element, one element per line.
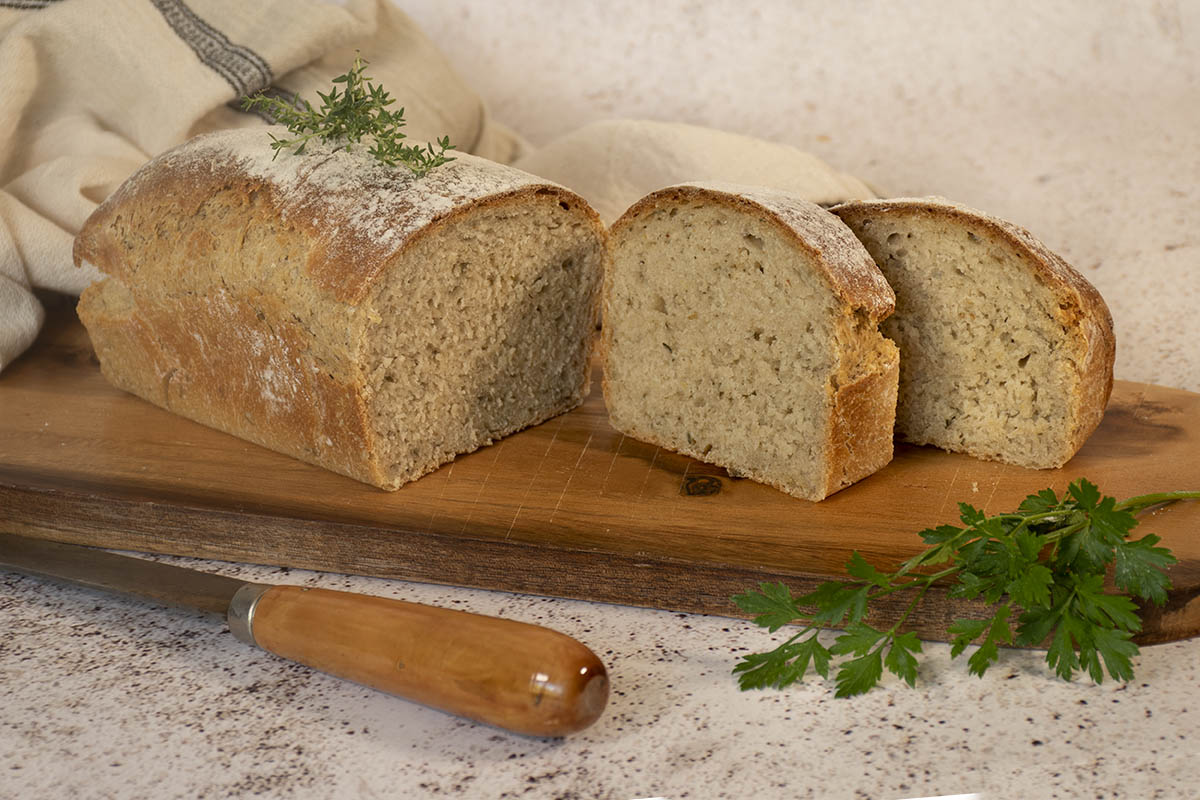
<point>104,697</point>
<point>1082,126</point>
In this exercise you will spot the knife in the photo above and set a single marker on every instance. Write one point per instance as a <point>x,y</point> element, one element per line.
<point>513,675</point>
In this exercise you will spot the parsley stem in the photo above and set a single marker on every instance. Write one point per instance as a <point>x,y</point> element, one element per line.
<point>1144,501</point>
<point>798,634</point>
<point>920,595</point>
<point>928,580</point>
<point>1065,531</point>
<point>1027,518</point>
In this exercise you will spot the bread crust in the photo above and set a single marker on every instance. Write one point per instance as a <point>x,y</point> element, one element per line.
<point>862,392</point>
<point>861,440</point>
<point>276,382</point>
<point>1081,310</point>
<point>159,354</point>
<point>847,267</point>
<point>357,215</point>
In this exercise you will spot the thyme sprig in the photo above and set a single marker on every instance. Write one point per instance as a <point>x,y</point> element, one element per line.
<point>357,112</point>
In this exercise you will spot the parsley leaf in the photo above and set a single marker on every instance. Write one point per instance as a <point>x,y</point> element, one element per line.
<point>1086,493</point>
<point>859,568</point>
<point>772,605</point>
<point>998,633</point>
<point>784,665</point>
<point>1140,568</point>
<point>900,660</point>
<point>1043,501</point>
<point>940,534</point>
<point>1042,566</point>
<point>857,639</point>
<point>1117,651</point>
<point>859,675</point>
<point>965,631</point>
<point>1031,588</point>
<point>834,601</point>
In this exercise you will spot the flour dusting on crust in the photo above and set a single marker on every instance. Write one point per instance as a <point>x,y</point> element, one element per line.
<point>355,209</point>
<point>848,267</point>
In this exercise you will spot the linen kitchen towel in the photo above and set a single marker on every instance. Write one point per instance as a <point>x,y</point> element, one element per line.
<point>614,163</point>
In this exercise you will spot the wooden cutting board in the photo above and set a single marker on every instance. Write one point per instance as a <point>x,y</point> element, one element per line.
<point>570,508</point>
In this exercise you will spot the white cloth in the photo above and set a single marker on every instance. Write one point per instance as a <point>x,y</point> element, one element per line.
<point>615,163</point>
<point>91,89</point>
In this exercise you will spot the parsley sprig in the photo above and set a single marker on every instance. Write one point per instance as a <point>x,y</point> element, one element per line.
<point>358,111</point>
<point>1042,568</point>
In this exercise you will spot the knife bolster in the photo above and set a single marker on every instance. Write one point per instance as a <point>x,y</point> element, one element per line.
<point>241,611</point>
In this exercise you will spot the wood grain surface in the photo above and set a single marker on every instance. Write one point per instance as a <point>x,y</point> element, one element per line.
<point>517,676</point>
<point>570,508</point>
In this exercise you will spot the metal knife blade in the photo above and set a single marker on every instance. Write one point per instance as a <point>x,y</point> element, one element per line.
<point>99,569</point>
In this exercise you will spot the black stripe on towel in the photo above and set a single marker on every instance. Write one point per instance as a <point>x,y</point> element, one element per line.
<point>26,4</point>
<point>246,71</point>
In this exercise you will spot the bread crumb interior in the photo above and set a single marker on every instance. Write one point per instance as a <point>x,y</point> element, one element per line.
<point>484,328</point>
<point>722,343</point>
<point>982,366</point>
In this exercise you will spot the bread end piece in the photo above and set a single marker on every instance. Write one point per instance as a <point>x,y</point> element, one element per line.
<point>1006,351</point>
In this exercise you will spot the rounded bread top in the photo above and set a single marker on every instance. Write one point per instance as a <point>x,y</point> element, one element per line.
<point>1077,294</point>
<point>843,260</point>
<point>357,212</point>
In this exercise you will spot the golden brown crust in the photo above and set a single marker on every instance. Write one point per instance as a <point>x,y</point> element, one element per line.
<point>1081,312</point>
<point>159,353</point>
<point>235,350</point>
<point>356,215</point>
<point>864,415</point>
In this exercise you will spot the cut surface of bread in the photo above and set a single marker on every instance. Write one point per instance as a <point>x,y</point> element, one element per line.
<point>741,328</point>
<point>343,312</point>
<point>1006,352</point>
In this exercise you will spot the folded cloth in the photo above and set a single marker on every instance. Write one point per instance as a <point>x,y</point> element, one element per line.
<point>615,163</point>
<point>91,89</point>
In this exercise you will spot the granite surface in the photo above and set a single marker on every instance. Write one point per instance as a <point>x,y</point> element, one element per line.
<point>108,697</point>
<point>1082,124</point>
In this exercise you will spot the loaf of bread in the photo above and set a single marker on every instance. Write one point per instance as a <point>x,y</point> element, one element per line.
<point>340,311</point>
<point>1006,352</point>
<point>741,328</point>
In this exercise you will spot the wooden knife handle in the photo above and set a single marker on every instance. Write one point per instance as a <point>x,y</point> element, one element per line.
<point>521,677</point>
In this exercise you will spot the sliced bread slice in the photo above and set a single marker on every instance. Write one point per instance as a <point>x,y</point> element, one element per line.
<point>741,328</point>
<point>1006,351</point>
